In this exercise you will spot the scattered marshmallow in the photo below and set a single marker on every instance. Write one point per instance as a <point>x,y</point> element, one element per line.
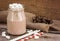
<point>29,31</point>
<point>8,37</point>
<point>37,34</point>
<point>4,34</point>
<point>36,37</point>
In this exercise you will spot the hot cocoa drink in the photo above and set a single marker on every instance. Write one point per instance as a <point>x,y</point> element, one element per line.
<point>16,21</point>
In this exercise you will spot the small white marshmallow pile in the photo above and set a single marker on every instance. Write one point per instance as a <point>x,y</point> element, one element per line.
<point>15,6</point>
<point>4,35</point>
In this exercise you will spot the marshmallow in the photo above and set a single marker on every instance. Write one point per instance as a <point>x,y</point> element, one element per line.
<point>15,6</point>
<point>29,31</point>
<point>8,37</point>
<point>4,34</point>
<point>36,37</point>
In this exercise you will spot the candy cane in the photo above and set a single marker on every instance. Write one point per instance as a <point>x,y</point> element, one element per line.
<point>32,36</point>
<point>20,37</point>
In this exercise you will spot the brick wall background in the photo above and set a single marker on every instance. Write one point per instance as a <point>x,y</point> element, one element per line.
<point>49,8</point>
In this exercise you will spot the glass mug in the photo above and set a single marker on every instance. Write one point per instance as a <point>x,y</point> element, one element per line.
<point>16,20</point>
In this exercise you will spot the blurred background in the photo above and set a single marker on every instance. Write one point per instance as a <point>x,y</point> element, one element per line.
<point>49,8</point>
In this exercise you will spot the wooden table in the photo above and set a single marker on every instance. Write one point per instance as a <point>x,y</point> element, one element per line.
<point>48,36</point>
